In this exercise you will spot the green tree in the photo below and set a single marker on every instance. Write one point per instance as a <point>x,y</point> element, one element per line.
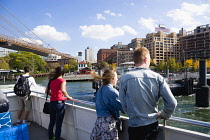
<point>172,64</point>
<point>21,59</point>
<point>3,64</point>
<point>103,64</point>
<point>73,65</point>
<point>179,66</point>
<point>161,66</point>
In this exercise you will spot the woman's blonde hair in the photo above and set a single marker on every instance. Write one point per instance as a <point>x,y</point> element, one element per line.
<point>106,77</point>
<point>139,54</point>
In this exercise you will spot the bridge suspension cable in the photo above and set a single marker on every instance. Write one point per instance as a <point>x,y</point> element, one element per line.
<point>9,31</point>
<point>33,40</point>
<point>16,28</point>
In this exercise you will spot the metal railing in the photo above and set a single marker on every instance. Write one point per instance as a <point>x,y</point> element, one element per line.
<point>176,119</point>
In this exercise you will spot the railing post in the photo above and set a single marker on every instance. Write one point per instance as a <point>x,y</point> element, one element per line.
<point>164,122</point>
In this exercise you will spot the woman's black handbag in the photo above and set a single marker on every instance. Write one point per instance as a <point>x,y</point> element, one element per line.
<point>46,108</point>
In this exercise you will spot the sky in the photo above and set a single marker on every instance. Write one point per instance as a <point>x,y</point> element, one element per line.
<point>70,26</point>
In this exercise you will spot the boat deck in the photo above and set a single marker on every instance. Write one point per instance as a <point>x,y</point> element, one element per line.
<point>37,132</point>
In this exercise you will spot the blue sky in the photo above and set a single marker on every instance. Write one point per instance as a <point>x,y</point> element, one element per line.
<point>71,26</point>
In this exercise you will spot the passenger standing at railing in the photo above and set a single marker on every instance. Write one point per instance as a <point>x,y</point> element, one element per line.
<point>107,107</point>
<point>140,90</point>
<point>24,102</point>
<point>4,102</point>
<point>57,91</point>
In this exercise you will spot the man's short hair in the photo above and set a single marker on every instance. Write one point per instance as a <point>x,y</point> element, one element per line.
<point>139,54</point>
<point>26,69</point>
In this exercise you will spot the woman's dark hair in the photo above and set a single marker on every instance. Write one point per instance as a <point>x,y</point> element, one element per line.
<point>56,73</point>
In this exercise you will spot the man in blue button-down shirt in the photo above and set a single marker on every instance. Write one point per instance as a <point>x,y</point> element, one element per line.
<point>140,90</point>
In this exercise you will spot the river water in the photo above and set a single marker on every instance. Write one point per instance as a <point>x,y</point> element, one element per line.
<point>83,90</point>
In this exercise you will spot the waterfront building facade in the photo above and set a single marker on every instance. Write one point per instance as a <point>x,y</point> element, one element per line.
<point>118,53</point>
<point>195,44</point>
<point>122,56</point>
<point>162,46</point>
<point>4,52</point>
<point>89,54</point>
<point>52,58</point>
<point>136,42</point>
<point>118,46</point>
<point>82,65</point>
<point>106,55</point>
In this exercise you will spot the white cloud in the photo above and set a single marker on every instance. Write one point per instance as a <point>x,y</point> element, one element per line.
<point>120,14</point>
<point>100,16</point>
<point>195,9</point>
<point>105,32</point>
<point>38,42</point>
<point>148,23</point>
<point>48,14</point>
<point>129,30</point>
<point>189,14</point>
<point>112,13</point>
<point>132,4</point>
<point>107,11</point>
<point>50,33</point>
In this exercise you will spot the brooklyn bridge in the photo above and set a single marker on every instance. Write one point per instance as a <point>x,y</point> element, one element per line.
<point>11,37</point>
<point>21,45</point>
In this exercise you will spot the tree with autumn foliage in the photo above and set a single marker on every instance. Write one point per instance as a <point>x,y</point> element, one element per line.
<point>188,63</point>
<point>195,65</point>
<point>208,63</point>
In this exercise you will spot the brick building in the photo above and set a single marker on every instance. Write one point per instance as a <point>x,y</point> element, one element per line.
<point>195,44</point>
<point>106,55</point>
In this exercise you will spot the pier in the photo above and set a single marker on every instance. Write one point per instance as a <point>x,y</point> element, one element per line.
<point>13,74</point>
<point>79,77</point>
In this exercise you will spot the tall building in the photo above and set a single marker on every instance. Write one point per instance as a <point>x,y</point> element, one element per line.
<point>79,57</point>
<point>195,44</point>
<point>89,55</point>
<point>162,46</point>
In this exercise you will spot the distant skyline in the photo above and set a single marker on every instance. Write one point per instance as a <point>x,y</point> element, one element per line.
<point>71,26</point>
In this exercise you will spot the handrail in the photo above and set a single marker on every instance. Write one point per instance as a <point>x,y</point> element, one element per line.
<point>74,100</point>
<point>176,119</point>
<point>190,121</point>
